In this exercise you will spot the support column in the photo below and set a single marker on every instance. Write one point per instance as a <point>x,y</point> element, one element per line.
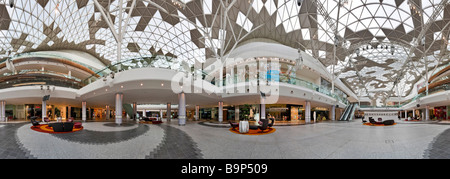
<point>135,111</point>
<point>182,109</point>
<point>144,113</point>
<point>197,113</point>
<point>333,113</point>
<point>221,111</point>
<point>307,112</point>
<point>69,112</point>
<point>83,111</point>
<point>89,114</point>
<point>119,98</point>
<point>43,108</point>
<point>108,113</point>
<point>236,113</point>
<point>406,114</point>
<point>160,115</point>
<point>3,111</point>
<point>427,114</point>
<point>169,111</point>
<point>262,116</point>
<point>414,113</point>
<point>53,112</point>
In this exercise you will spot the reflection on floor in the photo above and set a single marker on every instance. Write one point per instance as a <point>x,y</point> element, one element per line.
<point>168,140</point>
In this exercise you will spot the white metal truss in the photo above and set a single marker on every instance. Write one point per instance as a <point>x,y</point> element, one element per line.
<point>194,30</point>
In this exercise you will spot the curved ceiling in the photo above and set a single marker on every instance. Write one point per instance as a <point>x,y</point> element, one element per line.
<point>379,49</point>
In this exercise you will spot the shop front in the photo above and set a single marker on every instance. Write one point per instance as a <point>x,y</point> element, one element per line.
<point>320,114</point>
<point>286,113</point>
<point>439,113</point>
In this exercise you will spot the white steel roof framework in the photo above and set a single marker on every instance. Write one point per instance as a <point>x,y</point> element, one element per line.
<point>383,46</point>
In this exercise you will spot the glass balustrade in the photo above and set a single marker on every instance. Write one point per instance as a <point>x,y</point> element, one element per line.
<point>150,63</point>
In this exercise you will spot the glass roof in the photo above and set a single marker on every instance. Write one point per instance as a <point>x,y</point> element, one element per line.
<point>380,43</point>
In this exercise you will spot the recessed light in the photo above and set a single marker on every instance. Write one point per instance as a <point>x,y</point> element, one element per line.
<point>142,84</point>
<point>162,84</point>
<point>121,86</point>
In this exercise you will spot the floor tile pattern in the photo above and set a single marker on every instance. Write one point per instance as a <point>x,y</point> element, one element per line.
<point>176,145</point>
<point>327,140</point>
<point>99,138</point>
<point>10,148</point>
<point>440,147</point>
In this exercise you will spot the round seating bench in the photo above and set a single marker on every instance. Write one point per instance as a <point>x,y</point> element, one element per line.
<point>77,125</point>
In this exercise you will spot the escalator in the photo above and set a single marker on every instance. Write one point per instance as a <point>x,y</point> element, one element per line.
<point>352,112</point>
<point>349,112</point>
<point>343,116</point>
<point>128,110</point>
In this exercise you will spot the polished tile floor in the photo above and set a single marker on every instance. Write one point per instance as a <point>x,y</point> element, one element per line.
<point>327,140</point>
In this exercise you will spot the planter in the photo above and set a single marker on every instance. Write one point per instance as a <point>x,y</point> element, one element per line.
<point>244,127</point>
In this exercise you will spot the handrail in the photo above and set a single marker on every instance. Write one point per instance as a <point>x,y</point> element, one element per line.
<point>146,62</point>
<point>141,62</point>
<point>440,71</point>
<point>43,55</point>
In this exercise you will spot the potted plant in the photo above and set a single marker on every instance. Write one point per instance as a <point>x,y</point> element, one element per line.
<point>244,113</point>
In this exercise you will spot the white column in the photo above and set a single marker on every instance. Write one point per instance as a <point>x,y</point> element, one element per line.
<point>169,111</point>
<point>307,112</point>
<point>197,113</point>
<point>414,113</point>
<point>406,114</point>
<point>263,109</point>
<point>69,112</point>
<point>119,98</point>
<point>221,111</point>
<point>1,111</point>
<point>427,115</point>
<point>182,109</point>
<point>83,111</point>
<point>108,112</point>
<point>135,111</point>
<point>144,113</point>
<point>44,110</point>
<point>160,115</point>
<point>236,113</point>
<point>333,113</point>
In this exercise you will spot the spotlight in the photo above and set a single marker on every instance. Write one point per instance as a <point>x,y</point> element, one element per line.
<point>112,75</point>
<point>299,2</point>
<point>11,3</point>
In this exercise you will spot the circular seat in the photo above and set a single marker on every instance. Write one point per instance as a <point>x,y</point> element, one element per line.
<point>77,125</point>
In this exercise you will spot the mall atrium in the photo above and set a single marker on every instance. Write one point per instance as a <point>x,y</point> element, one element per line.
<point>224,79</point>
